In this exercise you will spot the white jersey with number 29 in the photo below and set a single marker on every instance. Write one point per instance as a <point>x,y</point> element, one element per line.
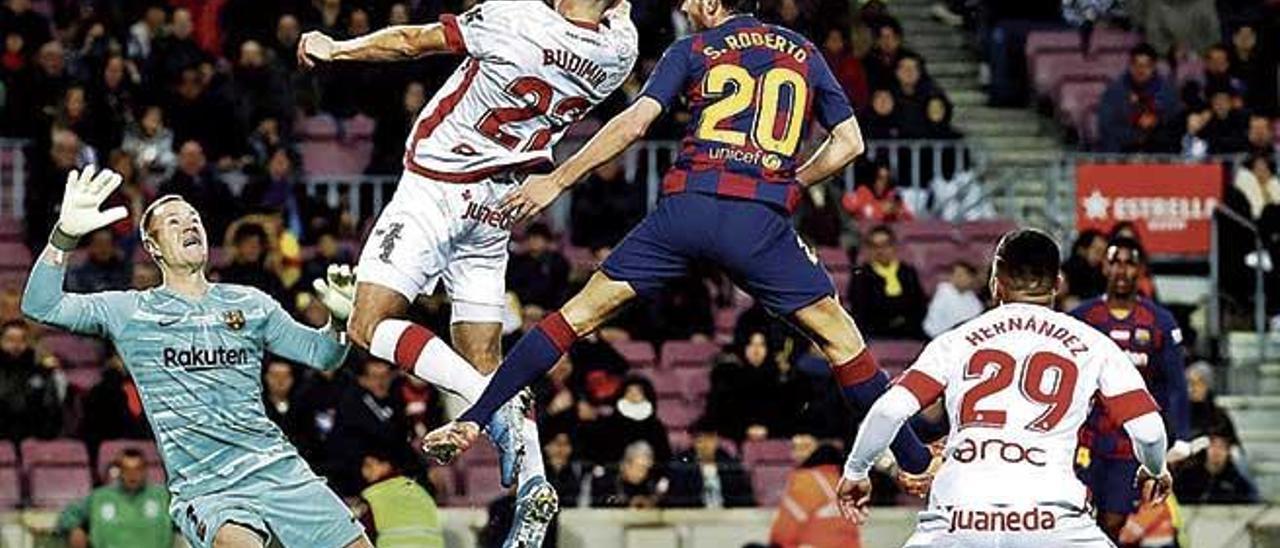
<point>529,74</point>
<point>1018,382</point>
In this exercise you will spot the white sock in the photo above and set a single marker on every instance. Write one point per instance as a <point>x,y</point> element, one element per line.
<point>416,350</point>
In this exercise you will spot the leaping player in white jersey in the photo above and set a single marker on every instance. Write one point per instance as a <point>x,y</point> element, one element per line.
<point>1017,382</point>
<point>530,71</point>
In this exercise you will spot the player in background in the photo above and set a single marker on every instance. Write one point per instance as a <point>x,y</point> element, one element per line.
<point>195,351</point>
<point>1017,382</point>
<point>754,91</point>
<point>530,71</point>
<point>1150,337</point>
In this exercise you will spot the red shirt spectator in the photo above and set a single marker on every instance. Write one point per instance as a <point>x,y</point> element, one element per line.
<point>878,202</point>
<point>847,68</point>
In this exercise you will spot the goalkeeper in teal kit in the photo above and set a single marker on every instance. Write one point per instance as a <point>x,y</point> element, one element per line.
<point>195,351</point>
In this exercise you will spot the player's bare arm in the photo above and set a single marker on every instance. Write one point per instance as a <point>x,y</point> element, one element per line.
<point>398,43</point>
<point>624,129</point>
<point>841,146</point>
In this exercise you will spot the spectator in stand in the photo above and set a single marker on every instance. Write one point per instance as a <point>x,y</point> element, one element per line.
<point>393,125</point>
<point>144,33</point>
<point>539,274</point>
<point>883,121</point>
<point>329,251</point>
<point>1260,137</point>
<point>370,417</point>
<point>196,113</point>
<point>1256,180</point>
<point>277,192</point>
<point>280,400</point>
<point>1217,69</point>
<point>955,300</point>
<point>1083,269</point>
<point>30,405</point>
<point>423,405</point>
<point>1222,129</point>
<point>882,61</point>
<point>174,51</point>
<point>198,184</point>
<point>706,476</point>
<point>912,91</point>
<point>249,265</point>
<point>605,207</point>
<point>879,201</point>
<point>73,114</point>
<point>400,513</point>
<point>563,471</point>
<point>151,145</point>
<point>598,370</point>
<point>126,513</point>
<point>105,270</point>
<point>818,217</point>
<point>1136,105</point>
<point>808,514</point>
<point>113,408</point>
<point>1206,415</point>
<point>1180,25</point>
<point>634,418</point>
<point>111,102</point>
<point>885,295</point>
<point>35,96</point>
<point>256,88</point>
<point>846,67</point>
<point>1210,477</point>
<point>17,17</point>
<point>1256,67</point>
<point>746,377</point>
<point>635,483</point>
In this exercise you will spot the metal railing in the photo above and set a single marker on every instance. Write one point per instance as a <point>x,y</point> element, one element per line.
<point>913,161</point>
<point>1259,277</point>
<point>13,178</point>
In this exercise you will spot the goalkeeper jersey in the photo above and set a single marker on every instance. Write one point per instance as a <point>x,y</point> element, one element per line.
<point>197,365</point>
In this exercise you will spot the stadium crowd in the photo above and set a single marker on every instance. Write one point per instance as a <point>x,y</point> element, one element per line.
<point>203,99</point>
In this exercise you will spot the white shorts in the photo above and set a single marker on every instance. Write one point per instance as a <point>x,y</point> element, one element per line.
<point>997,528</point>
<point>433,231</point>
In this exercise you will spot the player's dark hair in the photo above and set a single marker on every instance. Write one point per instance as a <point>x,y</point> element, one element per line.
<point>1134,247</point>
<point>539,229</point>
<point>131,453</point>
<point>1121,227</point>
<point>1143,49</point>
<point>882,229</point>
<point>1027,261</point>
<point>1086,239</point>
<point>890,23</point>
<point>704,425</point>
<point>739,6</point>
<point>1256,157</point>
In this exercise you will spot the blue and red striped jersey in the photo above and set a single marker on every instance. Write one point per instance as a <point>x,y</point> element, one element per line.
<point>1150,336</point>
<point>752,90</point>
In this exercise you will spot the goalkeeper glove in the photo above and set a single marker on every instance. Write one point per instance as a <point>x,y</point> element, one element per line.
<point>337,290</point>
<point>81,206</point>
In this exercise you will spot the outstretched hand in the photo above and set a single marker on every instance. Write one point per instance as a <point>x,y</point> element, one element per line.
<point>1155,488</point>
<point>314,47</point>
<point>337,290</point>
<point>81,203</point>
<point>853,497</point>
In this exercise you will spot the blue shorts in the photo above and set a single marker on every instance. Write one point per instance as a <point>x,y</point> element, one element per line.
<point>754,243</point>
<point>284,500</point>
<point>1111,483</point>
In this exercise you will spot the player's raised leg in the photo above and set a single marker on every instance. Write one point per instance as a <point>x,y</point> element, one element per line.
<point>860,378</point>
<point>531,357</point>
<point>233,535</point>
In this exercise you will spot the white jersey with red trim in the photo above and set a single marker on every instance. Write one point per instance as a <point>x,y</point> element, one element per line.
<point>529,74</point>
<point>1018,382</point>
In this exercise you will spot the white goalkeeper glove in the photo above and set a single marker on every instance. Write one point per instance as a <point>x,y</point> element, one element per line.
<point>81,205</point>
<point>337,290</point>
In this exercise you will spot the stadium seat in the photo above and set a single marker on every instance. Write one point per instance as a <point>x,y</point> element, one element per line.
<point>639,354</point>
<point>694,382</point>
<point>446,480</point>
<point>665,382</point>
<point>359,127</point>
<point>320,126</point>
<point>10,230</point>
<point>1044,41</point>
<point>678,414</point>
<point>895,355</point>
<point>986,231</point>
<point>15,255</point>
<point>765,452</point>
<point>841,281</point>
<point>726,319</point>
<point>1077,99</point>
<point>74,350</point>
<point>8,455</point>
<point>83,378</point>
<point>13,278</point>
<point>924,231</point>
<point>688,354</point>
<point>59,452</point>
<point>54,487</point>
<point>835,259</point>
<point>110,449</point>
<point>769,483</point>
<point>10,488</point>
<point>481,486</point>
<point>679,440</point>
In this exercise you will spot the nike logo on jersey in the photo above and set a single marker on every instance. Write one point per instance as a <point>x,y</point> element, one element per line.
<point>168,322</point>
